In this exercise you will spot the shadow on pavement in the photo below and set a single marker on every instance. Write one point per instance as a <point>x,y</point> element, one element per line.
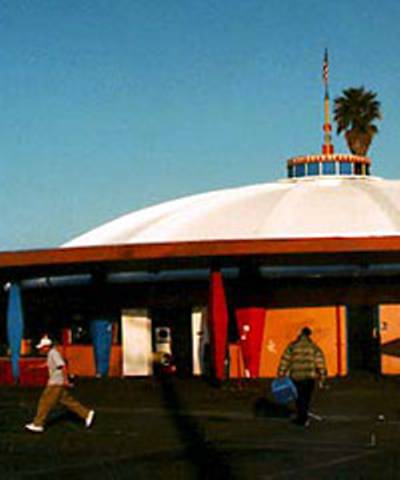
<point>206,462</point>
<point>263,407</point>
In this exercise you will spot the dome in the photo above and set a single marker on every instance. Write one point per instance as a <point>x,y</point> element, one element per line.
<point>308,207</point>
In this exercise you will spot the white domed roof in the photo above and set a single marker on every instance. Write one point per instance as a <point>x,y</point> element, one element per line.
<point>330,206</point>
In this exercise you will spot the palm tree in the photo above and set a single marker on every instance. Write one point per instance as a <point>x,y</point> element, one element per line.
<point>354,113</point>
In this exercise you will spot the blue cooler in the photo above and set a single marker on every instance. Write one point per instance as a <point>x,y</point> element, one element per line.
<point>284,390</point>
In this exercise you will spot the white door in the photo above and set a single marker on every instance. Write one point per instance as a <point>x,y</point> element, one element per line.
<point>200,339</point>
<point>136,343</point>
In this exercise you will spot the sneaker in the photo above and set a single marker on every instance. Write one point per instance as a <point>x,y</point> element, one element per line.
<point>34,428</point>
<point>89,419</point>
<point>301,423</point>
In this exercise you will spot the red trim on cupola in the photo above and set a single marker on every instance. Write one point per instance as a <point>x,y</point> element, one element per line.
<point>329,157</point>
<point>327,149</point>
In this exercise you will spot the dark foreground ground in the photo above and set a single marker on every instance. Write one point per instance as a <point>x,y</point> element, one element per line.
<point>187,429</point>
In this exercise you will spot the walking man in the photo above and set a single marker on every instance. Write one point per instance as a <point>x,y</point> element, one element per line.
<point>304,362</point>
<point>56,390</point>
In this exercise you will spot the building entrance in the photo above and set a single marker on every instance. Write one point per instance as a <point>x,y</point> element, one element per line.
<point>363,339</point>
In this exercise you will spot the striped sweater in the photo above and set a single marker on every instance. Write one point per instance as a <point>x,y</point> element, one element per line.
<point>303,359</point>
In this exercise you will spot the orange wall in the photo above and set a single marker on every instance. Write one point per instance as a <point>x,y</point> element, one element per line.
<point>81,360</point>
<point>283,325</point>
<point>389,317</point>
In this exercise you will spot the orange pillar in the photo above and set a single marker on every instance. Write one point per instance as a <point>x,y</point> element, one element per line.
<point>218,323</point>
<point>250,322</point>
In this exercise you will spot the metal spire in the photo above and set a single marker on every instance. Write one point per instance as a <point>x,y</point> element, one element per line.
<point>327,147</point>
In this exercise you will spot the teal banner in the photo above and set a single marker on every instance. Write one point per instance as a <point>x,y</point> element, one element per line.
<point>15,327</point>
<point>101,331</point>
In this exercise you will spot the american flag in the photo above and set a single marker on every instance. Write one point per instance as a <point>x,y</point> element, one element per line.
<point>325,68</point>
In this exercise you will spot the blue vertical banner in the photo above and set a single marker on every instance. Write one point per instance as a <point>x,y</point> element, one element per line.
<point>101,331</point>
<point>15,327</point>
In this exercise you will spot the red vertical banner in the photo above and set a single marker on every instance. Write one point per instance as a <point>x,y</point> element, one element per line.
<point>218,323</point>
<point>339,341</point>
<point>250,322</point>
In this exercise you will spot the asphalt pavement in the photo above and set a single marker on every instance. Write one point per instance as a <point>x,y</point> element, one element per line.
<point>191,429</point>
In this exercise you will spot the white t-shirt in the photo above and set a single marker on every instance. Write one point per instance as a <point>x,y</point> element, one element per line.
<point>55,362</point>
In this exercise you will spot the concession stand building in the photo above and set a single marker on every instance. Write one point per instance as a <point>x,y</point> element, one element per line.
<point>221,280</point>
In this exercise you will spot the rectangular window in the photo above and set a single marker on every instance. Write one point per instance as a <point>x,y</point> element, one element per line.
<point>345,168</point>
<point>313,168</point>
<point>300,170</point>
<point>328,168</point>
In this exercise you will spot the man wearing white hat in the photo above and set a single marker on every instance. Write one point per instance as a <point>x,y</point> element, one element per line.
<point>56,390</point>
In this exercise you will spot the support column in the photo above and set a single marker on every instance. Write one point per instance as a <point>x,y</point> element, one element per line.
<point>101,331</point>
<point>250,322</point>
<point>15,327</point>
<point>66,339</point>
<point>218,324</point>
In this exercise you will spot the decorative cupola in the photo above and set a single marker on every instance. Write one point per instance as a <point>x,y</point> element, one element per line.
<point>328,162</point>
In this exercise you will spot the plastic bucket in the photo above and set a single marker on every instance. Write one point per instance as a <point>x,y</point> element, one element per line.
<point>284,390</point>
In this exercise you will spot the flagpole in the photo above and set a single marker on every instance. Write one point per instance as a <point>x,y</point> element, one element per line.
<point>327,147</point>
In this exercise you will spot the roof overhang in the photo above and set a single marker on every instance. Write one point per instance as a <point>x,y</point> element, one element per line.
<point>16,265</point>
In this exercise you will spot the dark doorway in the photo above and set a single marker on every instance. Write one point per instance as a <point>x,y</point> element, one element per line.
<point>179,322</point>
<point>363,339</point>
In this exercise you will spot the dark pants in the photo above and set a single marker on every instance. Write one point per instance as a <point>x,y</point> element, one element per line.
<point>304,393</point>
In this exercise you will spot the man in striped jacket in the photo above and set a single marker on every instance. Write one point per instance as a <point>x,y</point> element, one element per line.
<point>304,362</point>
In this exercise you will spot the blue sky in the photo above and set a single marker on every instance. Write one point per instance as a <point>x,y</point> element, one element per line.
<point>108,106</point>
